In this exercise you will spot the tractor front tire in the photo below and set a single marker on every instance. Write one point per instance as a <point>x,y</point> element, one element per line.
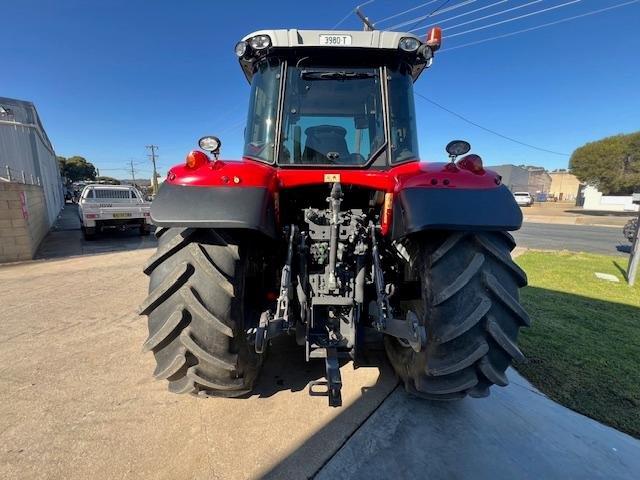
<point>470,308</point>
<point>196,313</point>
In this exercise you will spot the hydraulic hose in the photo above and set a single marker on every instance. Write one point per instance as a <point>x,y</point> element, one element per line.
<point>335,198</point>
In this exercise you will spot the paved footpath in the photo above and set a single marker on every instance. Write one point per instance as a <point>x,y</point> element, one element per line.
<point>515,433</point>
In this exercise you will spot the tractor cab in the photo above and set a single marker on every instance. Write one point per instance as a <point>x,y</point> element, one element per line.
<point>338,99</point>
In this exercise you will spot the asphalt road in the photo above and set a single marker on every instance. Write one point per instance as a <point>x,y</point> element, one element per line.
<point>605,240</point>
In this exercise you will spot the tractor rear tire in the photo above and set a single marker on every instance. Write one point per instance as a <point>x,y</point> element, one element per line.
<point>470,308</point>
<point>197,315</point>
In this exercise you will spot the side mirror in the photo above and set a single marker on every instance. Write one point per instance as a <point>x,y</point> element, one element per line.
<point>455,148</point>
<point>210,144</point>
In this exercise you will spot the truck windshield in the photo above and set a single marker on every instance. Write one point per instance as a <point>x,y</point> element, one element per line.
<point>331,116</point>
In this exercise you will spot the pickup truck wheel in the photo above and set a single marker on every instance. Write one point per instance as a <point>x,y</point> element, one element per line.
<point>89,233</point>
<point>197,315</point>
<point>470,307</point>
<point>144,229</point>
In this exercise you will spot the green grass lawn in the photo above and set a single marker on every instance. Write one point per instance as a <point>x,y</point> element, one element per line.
<point>583,348</point>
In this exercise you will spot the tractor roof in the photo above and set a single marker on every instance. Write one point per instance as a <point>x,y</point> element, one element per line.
<point>300,42</point>
<point>294,38</point>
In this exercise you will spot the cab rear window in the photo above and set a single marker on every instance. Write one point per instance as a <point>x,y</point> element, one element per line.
<point>111,193</point>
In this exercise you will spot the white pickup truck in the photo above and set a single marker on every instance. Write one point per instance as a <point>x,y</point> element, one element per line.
<point>112,206</point>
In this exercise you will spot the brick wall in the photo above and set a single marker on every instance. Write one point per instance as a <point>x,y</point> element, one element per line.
<point>23,221</point>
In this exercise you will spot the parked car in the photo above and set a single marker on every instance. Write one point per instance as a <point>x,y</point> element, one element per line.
<point>112,206</point>
<point>524,199</point>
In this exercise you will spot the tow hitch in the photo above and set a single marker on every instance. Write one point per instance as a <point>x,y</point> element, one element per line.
<point>334,380</point>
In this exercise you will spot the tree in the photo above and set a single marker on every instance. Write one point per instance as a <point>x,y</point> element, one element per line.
<point>611,164</point>
<point>76,168</point>
<point>108,180</point>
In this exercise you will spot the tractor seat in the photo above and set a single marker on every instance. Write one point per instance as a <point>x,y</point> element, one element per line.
<point>322,140</point>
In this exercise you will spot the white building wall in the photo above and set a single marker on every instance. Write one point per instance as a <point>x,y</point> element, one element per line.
<point>25,147</point>
<point>595,200</point>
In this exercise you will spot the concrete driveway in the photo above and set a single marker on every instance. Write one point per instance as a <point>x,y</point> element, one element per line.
<point>77,399</point>
<point>65,238</point>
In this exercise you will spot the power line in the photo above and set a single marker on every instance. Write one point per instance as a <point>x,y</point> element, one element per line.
<point>537,27</point>
<point>435,12</point>
<point>471,122</point>
<point>458,16</point>
<point>501,12</point>
<point>537,12</point>
<point>406,11</point>
<point>439,9</point>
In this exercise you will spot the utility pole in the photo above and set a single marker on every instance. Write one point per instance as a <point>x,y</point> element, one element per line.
<point>133,175</point>
<point>152,156</point>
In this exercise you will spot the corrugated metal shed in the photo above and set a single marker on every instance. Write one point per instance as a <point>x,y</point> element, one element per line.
<point>25,147</point>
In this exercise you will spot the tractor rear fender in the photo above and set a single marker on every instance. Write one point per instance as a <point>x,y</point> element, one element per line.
<point>416,209</point>
<point>218,195</point>
<point>214,207</point>
<point>445,196</point>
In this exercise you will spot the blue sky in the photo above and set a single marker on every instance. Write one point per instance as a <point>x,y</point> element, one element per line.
<point>110,77</point>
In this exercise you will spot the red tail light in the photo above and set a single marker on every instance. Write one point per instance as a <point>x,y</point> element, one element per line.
<point>434,38</point>
<point>196,159</point>
<point>471,162</point>
<point>271,296</point>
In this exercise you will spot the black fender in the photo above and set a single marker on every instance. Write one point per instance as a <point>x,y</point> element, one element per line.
<point>421,208</point>
<point>215,207</point>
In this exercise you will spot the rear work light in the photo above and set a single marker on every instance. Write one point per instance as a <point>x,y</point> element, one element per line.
<point>260,42</point>
<point>196,159</point>
<point>409,44</point>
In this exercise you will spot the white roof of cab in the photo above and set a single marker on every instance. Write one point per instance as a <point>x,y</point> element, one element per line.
<point>311,38</point>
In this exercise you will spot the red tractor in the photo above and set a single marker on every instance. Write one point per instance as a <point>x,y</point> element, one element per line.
<point>331,227</point>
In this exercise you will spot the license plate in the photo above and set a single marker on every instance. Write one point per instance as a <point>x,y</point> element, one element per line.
<point>121,215</point>
<point>335,40</point>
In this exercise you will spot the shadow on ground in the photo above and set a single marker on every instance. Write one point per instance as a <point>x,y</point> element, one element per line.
<point>285,368</point>
<point>517,432</point>
<point>624,248</point>
<point>622,270</point>
<point>65,239</point>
